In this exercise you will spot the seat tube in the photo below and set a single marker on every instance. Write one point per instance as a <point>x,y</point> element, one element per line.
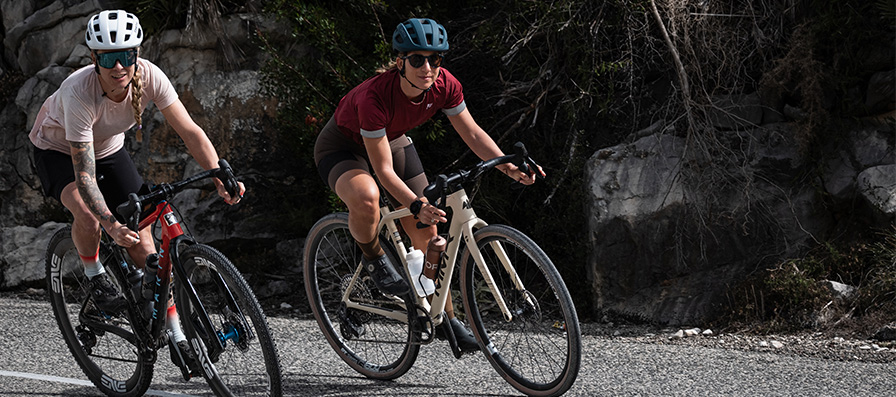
<point>171,229</point>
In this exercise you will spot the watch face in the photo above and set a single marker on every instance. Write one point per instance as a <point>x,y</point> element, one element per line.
<point>416,206</point>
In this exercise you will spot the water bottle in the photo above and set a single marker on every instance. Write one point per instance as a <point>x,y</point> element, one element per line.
<point>135,280</point>
<point>434,251</point>
<point>150,272</point>
<point>422,284</point>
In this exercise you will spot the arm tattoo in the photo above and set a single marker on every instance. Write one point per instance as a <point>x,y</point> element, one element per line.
<point>85,180</point>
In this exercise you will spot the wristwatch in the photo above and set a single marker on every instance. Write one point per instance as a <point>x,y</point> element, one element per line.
<point>415,207</point>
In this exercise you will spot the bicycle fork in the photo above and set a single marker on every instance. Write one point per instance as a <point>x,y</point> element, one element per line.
<point>459,200</point>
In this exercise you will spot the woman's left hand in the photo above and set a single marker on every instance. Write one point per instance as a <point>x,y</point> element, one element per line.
<point>226,196</point>
<point>520,176</point>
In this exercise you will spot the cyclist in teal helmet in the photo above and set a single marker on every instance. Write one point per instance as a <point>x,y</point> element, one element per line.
<point>368,130</point>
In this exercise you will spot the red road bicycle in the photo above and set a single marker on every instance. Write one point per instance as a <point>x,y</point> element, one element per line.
<point>223,321</point>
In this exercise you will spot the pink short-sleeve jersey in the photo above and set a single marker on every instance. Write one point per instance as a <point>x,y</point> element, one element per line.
<point>80,112</point>
<point>377,107</point>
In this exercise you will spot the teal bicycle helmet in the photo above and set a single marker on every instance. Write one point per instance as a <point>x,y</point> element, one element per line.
<point>419,34</point>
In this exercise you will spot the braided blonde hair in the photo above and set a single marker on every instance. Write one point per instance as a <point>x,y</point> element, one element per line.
<point>137,95</point>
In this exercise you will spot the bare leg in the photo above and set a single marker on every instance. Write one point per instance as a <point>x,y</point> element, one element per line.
<point>146,246</point>
<point>360,193</point>
<point>86,229</point>
<point>85,226</point>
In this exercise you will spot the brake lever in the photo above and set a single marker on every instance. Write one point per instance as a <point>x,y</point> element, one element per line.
<point>534,167</point>
<point>435,193</point>
<point>131,211</point>
<point>226,176</point>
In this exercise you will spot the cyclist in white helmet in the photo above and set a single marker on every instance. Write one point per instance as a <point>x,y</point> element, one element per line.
<point>79,134</point>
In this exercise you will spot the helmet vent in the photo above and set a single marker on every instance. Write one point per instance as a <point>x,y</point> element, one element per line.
<point>113,30</point>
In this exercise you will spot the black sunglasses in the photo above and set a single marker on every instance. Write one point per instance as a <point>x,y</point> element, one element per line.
<point>416,60</point>
<point>108,59</point>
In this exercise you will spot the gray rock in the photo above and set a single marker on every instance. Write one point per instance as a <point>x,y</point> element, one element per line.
<point>887,333</point>
<point>838,290</point>
<point>23,253</point>
<point>877,185</point>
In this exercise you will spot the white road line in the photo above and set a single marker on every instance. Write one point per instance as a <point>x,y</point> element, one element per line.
<point>80,382</point>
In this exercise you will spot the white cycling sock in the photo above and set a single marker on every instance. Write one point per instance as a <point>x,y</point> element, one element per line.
<point>173,323</point>
<point>92,265</point>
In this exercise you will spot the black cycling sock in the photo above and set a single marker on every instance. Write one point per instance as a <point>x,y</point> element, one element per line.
<point>372,250</point>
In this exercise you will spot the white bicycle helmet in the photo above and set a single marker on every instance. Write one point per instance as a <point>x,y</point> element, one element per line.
<point>113,30</point>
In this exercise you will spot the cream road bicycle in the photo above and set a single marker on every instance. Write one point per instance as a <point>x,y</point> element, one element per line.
<point>516,302</point>
<point>225,326</point>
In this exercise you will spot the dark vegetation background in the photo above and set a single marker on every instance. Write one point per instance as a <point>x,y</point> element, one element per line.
<point>570,77</point>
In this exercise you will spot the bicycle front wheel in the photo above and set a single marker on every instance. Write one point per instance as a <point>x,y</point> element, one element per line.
<point>103,344</point>
<point>226,327</point>
<point>534,342</point>
<point>374,337</point>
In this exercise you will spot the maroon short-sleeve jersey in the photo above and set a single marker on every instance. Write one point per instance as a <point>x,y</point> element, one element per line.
<point>377,107</point>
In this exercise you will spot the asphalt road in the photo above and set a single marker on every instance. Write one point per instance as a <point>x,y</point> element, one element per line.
<point>35,362</point>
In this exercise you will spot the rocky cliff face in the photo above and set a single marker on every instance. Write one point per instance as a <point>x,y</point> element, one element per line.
<point>659,252</point>
<point>44,44</point>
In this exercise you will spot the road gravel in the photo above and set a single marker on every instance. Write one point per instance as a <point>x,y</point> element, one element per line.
<point>616,361</point>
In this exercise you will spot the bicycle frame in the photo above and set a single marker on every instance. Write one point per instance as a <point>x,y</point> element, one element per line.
<point>172,236</point>
<point>463,223</point>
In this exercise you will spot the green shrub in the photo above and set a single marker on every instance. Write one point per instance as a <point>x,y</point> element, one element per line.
<point>793,295</point>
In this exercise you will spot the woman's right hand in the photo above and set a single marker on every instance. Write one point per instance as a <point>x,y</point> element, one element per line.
<point>122,235</point>
<point>431,215</point>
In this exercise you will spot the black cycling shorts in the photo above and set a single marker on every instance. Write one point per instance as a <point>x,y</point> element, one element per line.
<point>335,153</point>
<point>117,175</point>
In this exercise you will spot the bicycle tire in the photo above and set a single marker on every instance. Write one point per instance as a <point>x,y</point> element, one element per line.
<point>247,366</point>
<point>104,346</point>
<point>375,346</point>
<point>539,351</point>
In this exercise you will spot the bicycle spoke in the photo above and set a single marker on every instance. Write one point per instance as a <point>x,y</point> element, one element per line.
<point>535,350</point>
<point>374,345</point>
<point>103,346</point>
<point>248,362</point>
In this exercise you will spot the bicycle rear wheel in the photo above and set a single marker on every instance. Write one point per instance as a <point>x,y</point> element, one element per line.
<point>375,345</point>
<point>104,345</point>
<point>538,351</point>
<point>227,327</point>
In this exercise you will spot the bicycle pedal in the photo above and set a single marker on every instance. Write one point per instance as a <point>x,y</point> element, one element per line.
<point>181,360</point>
<point>427,330</point>
<point>448,333</point>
